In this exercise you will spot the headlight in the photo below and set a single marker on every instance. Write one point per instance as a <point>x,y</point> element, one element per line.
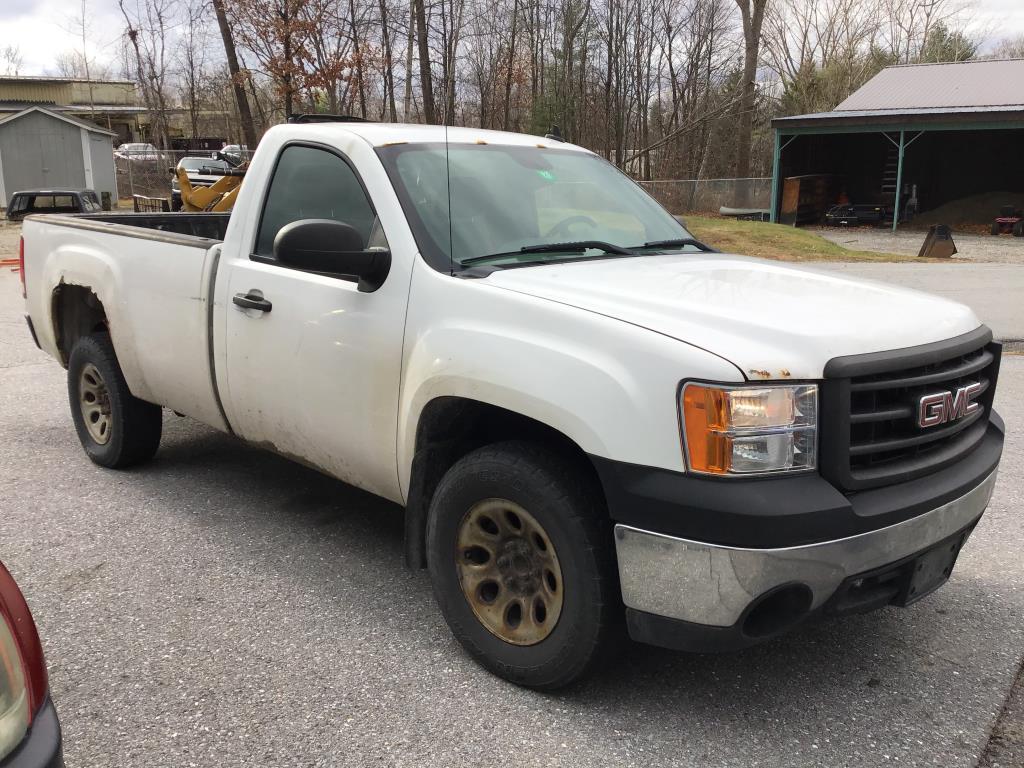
<point>746,430</point>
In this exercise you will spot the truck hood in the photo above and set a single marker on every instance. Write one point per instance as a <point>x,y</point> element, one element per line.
<point>771,320</point>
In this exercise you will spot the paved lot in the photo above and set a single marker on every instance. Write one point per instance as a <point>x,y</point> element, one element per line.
<point>994,291</point>
<point>222,606</point>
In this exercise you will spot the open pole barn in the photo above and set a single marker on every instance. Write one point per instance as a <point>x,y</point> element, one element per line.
<point>926,140</point>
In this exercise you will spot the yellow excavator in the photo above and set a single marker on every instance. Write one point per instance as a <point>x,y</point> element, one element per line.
<point>219,196</point>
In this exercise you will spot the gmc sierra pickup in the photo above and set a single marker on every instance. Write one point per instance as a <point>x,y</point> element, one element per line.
<point>592,419</point>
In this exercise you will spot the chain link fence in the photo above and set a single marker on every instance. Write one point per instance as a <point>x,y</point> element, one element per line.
<point>149,173</point>
<point>709,195</point>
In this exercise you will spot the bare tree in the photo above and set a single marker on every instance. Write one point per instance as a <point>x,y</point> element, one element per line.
<point>752,14</point>
<point>148,29</point>
<point>237,79</point>
<point>11,59</point>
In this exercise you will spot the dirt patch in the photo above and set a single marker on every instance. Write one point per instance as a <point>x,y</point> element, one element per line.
<point>9,234</point>
<point>971,214</point>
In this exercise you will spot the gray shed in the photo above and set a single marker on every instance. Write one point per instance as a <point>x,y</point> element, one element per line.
<point>42,149</point>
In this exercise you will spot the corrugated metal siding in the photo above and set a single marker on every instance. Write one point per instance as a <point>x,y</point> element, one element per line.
<point>121,94</point>
<point>924,86</point>
<point>36,93</point>
<point>40,151</point>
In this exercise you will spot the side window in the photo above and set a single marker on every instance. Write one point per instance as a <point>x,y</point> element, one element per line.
<point>312,183</point>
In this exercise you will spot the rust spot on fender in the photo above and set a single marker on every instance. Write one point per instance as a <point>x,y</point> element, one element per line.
<point>785,373</point>
<point>761,374</point>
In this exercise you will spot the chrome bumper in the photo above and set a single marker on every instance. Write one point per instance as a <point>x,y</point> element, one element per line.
<point>712,585</point>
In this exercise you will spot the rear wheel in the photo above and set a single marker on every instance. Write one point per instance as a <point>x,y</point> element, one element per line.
<point>995,228</point>
<point>116,429</point>
<point>1018,229</point>
<point>520,556</point>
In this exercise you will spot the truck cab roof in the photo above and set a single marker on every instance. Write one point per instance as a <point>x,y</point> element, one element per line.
<point>387,134</point>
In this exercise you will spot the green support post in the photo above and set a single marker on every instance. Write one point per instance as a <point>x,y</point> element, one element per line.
<point>776,157</point>
<point>899,185</point>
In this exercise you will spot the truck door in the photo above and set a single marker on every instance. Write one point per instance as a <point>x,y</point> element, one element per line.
<point>313,371</point>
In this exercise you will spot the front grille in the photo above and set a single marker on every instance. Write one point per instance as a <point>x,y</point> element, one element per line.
<point>870,411</point>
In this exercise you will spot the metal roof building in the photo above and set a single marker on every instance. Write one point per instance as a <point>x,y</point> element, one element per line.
<point>920,135</point>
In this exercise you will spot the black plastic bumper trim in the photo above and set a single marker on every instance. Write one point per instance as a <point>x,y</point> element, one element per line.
<point>768,513</point>
<point>32,330</point>
<point>42,746</point>
<point>679,635</point>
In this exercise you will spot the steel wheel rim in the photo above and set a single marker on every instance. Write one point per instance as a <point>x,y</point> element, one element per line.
<point>509,571</point>
<point>94,401</point>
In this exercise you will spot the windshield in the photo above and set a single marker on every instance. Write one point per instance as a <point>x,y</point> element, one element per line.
<point>195,163</point>
<point>508,198</point>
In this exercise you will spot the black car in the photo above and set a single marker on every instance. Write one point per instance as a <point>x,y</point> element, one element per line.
<point>29,729</point>
<point>52,201</point>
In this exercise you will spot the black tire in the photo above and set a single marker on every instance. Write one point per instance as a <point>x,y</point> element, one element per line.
<point>995,228</point>
<point>1018,229</point>
<point>135,426</point>
<point>561,499</point>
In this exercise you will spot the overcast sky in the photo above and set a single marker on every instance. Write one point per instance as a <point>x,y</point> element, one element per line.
<point>42,29</point>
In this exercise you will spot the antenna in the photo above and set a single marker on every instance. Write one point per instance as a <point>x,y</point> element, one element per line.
<point>448,186</point>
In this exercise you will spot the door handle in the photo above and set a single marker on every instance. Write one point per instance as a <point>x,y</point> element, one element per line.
<point>252,301</point>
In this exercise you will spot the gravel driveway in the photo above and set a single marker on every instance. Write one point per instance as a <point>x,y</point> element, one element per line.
<point>225,607</point>
<point>1004,249</point>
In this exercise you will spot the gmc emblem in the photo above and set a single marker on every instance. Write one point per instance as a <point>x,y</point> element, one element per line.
<point>940,407</point>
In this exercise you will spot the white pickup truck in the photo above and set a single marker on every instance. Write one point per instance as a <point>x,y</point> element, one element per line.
<point>592,420</point>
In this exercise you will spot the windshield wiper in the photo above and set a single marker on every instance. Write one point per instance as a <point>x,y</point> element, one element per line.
<point>677,243</point>
<point>576,246</point>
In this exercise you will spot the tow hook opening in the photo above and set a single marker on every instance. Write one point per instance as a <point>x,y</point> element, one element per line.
<point>777,610</point>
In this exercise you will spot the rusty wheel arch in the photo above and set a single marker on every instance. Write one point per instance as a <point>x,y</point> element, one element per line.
<point>76,311</point>
<point>451,427</point>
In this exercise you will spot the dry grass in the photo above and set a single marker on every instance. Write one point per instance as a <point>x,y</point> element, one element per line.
<point>778,241</point>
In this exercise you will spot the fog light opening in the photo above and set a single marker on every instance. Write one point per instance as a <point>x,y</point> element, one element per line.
<point>777,610</point>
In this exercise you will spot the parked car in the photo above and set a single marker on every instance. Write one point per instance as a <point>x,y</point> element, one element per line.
<point>588,415</point>
<point>52,201</point>
<point>29,730</point>
<point>201,171</point>
<point>137,151</point>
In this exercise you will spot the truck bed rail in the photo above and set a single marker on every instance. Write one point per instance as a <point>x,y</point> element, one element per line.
<point>198,230</point>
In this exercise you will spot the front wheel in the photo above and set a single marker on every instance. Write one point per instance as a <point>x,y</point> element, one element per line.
<point>520,555</point>
<point>116,429</point>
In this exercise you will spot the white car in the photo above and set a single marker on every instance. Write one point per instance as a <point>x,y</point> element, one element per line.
<point>590,418</point>
<point>137,151</point>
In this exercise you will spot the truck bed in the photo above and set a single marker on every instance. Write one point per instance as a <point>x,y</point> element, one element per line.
<point>153,275</point>
<point>196,229</point>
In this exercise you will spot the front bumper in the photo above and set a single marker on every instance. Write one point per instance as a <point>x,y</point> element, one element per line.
<point>711,584</point>
<point>42,746</point>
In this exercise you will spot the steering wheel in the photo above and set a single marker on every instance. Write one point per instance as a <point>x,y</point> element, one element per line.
<point>562,227</point>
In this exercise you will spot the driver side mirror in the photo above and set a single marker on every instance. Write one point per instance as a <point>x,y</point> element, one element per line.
<point>332,248</point>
